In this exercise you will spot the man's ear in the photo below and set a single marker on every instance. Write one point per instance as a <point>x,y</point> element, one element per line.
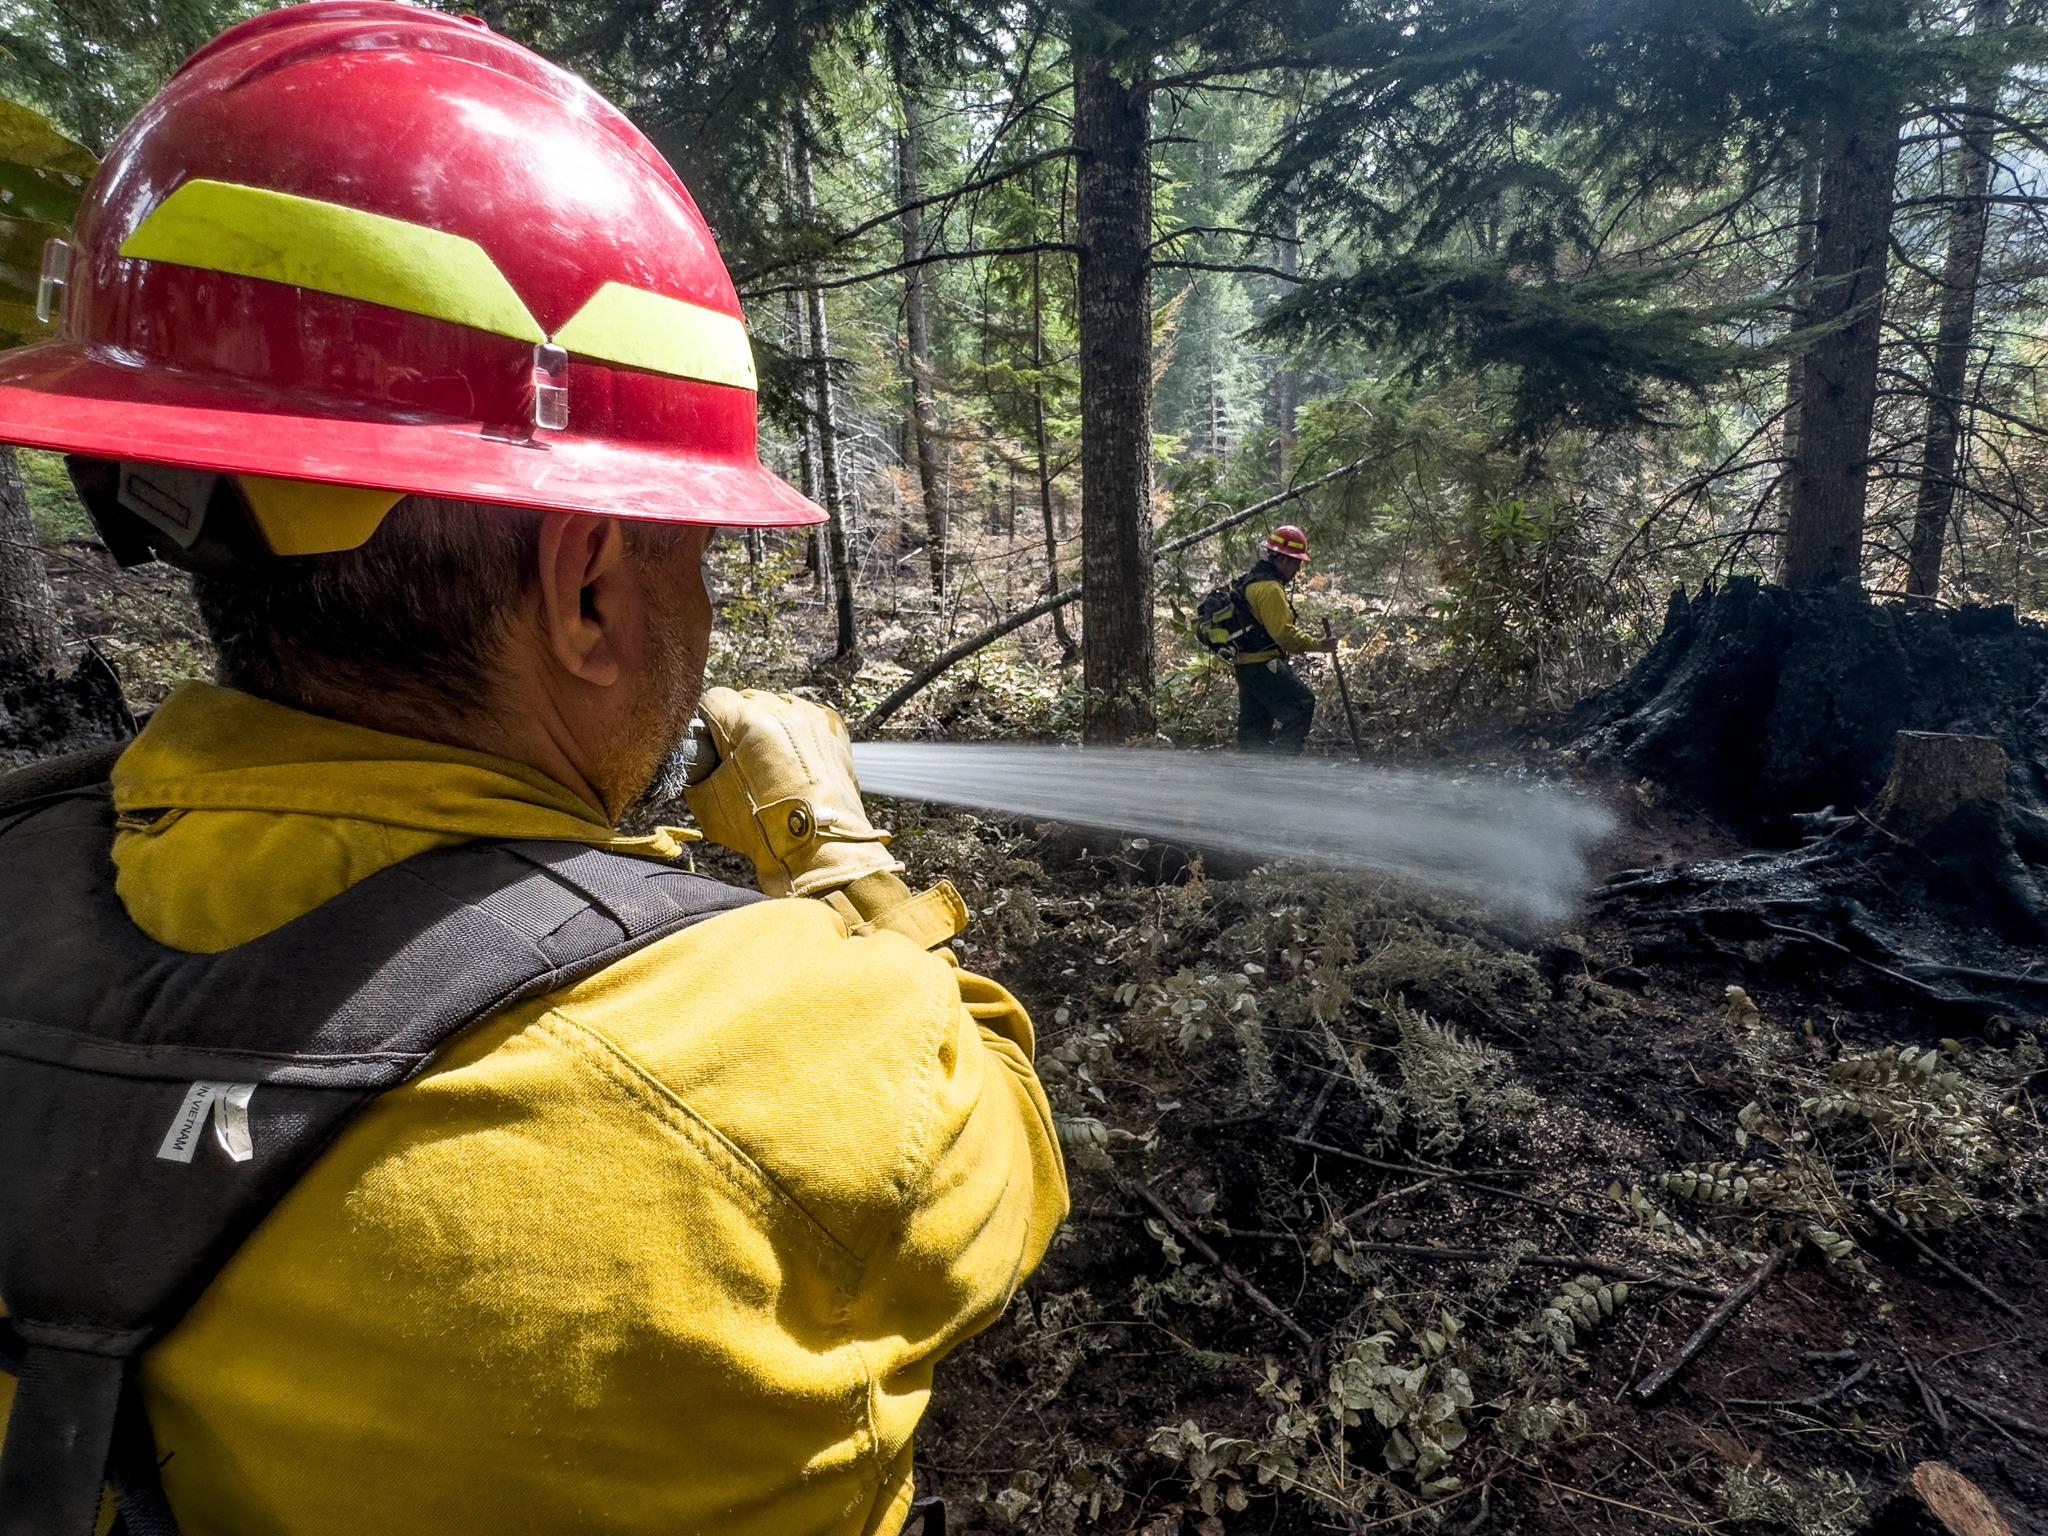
<point>583,594</point>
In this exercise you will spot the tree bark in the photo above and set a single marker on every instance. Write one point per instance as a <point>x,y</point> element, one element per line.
<point>1113,218</point>
<point>1838,379</point>
<point>1069,652</point>
<point>1955,330</point>
<point>806,462</point>
<point>1802,271</point>
<point>827,421</point>
<point>1286,382</point>
<point>917,357</point>
<point>30,642</point>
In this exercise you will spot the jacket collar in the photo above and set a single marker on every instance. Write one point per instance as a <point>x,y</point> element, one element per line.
<point>209,748</point>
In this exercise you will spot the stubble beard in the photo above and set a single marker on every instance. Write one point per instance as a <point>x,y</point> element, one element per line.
<point>664,717</point>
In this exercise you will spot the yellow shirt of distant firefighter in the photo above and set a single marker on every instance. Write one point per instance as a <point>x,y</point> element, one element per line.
<point>1273,609</point>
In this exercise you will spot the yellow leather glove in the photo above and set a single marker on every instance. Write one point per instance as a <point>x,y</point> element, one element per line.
<point>784,794</point>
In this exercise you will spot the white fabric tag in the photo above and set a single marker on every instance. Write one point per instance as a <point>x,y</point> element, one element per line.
<point>182,1139</point>
<point>228,1106</point>
<point>231,1121</point>
<point>171,500</point>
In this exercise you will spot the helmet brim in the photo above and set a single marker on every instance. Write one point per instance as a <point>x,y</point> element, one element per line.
<point>71,398</point>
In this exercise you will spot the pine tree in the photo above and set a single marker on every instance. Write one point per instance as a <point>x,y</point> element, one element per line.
<point>1113,222</point>
<point>1961,270</point>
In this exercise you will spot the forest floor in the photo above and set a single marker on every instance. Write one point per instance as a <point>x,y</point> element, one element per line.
<point>1280,1349</point>
<point>1382,1211</point>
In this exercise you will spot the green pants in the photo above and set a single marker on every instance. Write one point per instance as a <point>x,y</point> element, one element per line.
<point>1274,707</point>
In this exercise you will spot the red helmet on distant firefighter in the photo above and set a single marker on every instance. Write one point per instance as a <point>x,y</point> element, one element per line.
<point>1287,540</point>
<point>506,297</point>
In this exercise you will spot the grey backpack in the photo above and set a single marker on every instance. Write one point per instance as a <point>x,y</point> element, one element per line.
<point>154,1105</point>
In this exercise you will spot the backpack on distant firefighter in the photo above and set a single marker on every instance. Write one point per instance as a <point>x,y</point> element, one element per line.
<point>1222,619</point>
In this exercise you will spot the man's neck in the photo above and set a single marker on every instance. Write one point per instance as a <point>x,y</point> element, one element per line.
<point>533,738</point>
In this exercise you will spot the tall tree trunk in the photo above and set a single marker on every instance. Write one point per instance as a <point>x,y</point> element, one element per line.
<point>827,420</point>
<point>917,357</point>
<point>1802,271</point>
<point>806,461</point>
<point>1069,652</point>
<point>1286,382</point>
<point>30,643</point>
<point>1949,375</point>
<point>1838,379</point>
<point>1113,219</point>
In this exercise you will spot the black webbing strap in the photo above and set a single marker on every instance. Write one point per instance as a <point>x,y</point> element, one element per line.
<point>134,1475</point>
<point>59,1433</point>
<point>64,775</point>
<point>60,1400</point>
<point>117,1208</point>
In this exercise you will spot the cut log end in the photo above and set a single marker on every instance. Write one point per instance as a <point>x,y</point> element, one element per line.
<point>1937,779</point>
<point>1937,1500</point>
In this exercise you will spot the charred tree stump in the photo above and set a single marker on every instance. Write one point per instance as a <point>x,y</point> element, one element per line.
<point>1759,705</point>
<point>1939,781</point>
<point>1947,797</point>
<point>1858,895</point>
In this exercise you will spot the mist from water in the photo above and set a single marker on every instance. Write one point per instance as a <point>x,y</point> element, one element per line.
<point>1519,850</point>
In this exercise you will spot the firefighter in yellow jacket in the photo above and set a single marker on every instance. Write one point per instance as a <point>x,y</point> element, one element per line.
<point>1274,706</point>
<point>441,419</point>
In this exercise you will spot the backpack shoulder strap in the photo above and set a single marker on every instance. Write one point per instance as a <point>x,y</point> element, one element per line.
<point>154,1105</point>
<point>74,771</point>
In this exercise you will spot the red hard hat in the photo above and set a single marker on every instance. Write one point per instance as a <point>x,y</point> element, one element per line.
<point>363,243</point>
<point>1287,540</point>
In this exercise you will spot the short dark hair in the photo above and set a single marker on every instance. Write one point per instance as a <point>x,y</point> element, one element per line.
<point>416,611</point>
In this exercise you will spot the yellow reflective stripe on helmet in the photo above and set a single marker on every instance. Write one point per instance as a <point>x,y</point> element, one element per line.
<point>218,226</point>
<point>638,329</point>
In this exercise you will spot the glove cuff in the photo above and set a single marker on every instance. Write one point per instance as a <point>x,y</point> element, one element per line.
<point>792,828</point>
<point>880,902</point>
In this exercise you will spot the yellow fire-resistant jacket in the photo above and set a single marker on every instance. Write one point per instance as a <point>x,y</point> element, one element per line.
<point>671,1251</point>
<point>1274,609</point>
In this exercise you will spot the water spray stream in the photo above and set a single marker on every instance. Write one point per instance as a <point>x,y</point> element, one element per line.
<point>1520,850</point>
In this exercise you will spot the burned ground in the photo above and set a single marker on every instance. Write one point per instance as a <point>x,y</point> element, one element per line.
<point>1435,1198</point>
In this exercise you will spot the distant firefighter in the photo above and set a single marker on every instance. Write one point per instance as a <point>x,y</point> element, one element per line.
<point>1252,621</point>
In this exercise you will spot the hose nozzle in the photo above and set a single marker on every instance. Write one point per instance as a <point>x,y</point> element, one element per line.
<point>700,752</point>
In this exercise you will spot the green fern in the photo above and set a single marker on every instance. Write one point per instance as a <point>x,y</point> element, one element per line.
<point>1576,1310</point>
<point>1750,1185</point>
<point>1645,1213</point>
